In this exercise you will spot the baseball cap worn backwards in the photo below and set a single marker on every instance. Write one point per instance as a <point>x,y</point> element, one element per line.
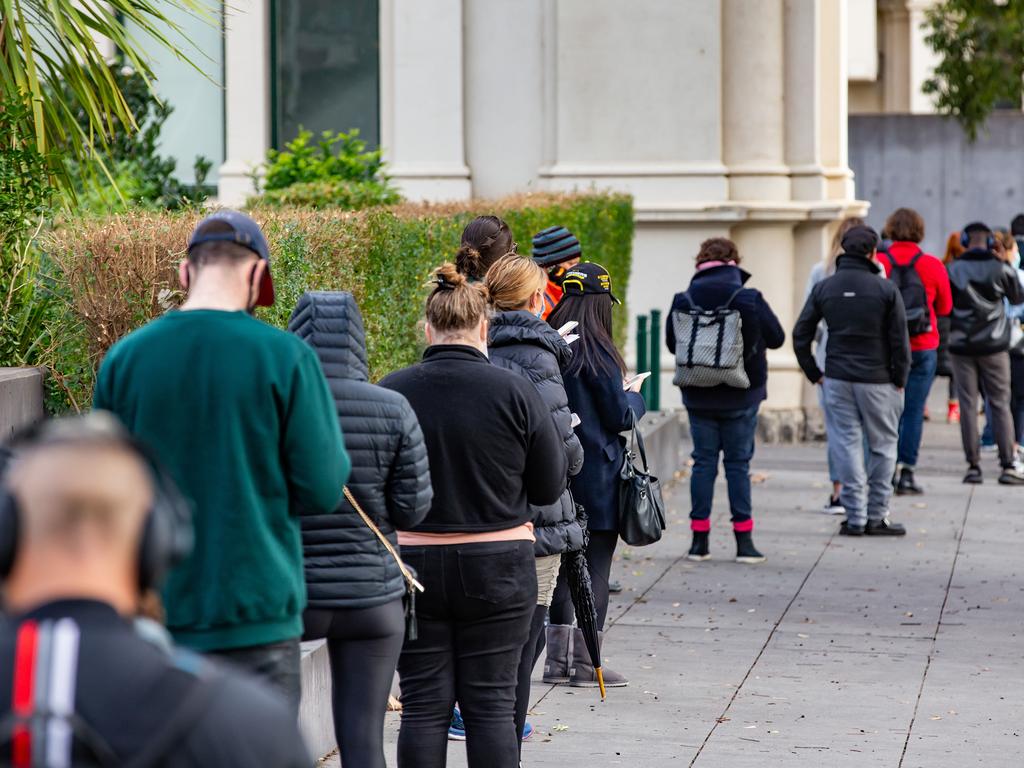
<point>860,241</point>
<point>229,226</point>
<point>588,278</point>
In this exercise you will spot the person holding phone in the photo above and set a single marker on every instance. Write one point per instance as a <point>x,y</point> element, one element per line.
<point>723,418</point>
<point>594,383</point>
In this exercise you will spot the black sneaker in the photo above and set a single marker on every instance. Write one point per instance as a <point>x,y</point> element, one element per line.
<point>884,528</point>
<point>845,529</point>
<point>973,476</point>
<point>834,506</point>
<point>1012,475</point>
<point>905,485</point>
<point>699,548</point>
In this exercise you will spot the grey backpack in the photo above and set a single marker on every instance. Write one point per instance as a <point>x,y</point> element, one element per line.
<point>709,346</point>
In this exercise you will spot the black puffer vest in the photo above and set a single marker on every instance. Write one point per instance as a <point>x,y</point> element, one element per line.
<point>346,565</point>
<point>529,347</point>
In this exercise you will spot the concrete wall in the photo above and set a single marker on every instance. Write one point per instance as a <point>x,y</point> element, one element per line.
<point>925,162</point>
<point>21,399</point>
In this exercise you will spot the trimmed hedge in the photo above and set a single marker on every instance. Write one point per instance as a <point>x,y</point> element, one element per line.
<point>119,272</point>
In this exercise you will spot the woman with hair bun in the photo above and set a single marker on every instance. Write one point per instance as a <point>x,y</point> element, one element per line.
<point>493,451</point>
<point>484,240</point>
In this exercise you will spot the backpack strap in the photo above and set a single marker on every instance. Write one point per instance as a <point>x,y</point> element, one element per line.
<point>915,259</point>
<point>889,258</point>
<point>731,299</point>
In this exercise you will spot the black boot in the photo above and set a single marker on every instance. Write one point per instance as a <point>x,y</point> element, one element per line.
<point>905,485</point>
<point>884,528</point>
<point>746,552</point>
<point>699,548</point>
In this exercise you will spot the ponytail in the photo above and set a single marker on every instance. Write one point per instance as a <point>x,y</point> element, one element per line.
<point>455,304</point>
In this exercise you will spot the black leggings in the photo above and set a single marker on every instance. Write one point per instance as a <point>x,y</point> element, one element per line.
<point>363,645</point>
<point>531,652</point>
<point>599,561</point>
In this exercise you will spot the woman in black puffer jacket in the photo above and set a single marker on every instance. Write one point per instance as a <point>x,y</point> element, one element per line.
<point>355,587</point>
<point>526,345</point>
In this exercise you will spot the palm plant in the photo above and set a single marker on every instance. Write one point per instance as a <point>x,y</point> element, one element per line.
<point>52,60</point>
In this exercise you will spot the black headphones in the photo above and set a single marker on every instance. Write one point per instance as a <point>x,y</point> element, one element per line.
<point>167,533</point>
<point>965,237</point>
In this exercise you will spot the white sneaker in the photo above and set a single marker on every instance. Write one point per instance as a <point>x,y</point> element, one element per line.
<point>833,507</point>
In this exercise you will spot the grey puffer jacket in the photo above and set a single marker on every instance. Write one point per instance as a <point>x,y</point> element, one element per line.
<point>346,565</point>
<point>529,347</point>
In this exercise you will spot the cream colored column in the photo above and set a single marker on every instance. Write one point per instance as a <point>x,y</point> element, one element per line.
<point>247,107</point>
<point>922,57</point>
<point>421,104</point>
<point>895,55</point>
<point>753,99</point>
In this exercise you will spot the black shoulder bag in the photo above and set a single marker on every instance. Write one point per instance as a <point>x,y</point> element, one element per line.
<point>641,507</point>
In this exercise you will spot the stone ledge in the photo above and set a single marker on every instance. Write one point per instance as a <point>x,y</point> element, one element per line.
<point>316,720</point>
<point>21,399</point>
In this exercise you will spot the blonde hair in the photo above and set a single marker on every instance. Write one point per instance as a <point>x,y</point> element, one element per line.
<point>512,280</point>
<point>455,304</point>
<point>837,241</point>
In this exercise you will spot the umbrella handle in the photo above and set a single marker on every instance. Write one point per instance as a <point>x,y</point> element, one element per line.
<point>600,681</point>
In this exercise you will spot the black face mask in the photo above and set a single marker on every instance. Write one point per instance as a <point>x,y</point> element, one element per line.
<point>254,294</point>
<point>557,275</point>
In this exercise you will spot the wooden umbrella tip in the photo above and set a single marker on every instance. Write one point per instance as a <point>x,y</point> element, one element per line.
<point>600,682</point>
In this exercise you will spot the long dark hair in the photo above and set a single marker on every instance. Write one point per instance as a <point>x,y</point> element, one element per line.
<point>595,353</point>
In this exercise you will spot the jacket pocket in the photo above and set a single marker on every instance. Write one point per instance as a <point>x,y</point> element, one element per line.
<point>497,573</point>
<point>613,450</point>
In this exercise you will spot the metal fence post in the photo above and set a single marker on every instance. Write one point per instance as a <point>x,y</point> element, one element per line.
<point>642,348</point>
<point>654,403</point>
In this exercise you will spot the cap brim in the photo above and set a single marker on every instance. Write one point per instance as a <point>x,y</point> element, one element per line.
<point>266,297</point>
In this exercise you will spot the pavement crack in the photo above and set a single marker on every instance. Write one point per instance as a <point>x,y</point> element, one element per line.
<point>938,626</point>
<point>723,717</point>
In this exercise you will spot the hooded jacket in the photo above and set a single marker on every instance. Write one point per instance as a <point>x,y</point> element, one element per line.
<point>346,565</point>
<point>711,288</point>
<point>980,282</point>
<point>529,347</point>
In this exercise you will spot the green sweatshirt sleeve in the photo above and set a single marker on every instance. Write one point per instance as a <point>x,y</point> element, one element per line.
<point>316,463</point>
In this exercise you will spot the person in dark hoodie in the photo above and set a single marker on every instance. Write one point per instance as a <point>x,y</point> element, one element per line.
<point>493,451</point>
<point>526,345</point>
<point>866,368</point>
<point>979,341</point>
<point>355,586</point>
<point>723,418</point>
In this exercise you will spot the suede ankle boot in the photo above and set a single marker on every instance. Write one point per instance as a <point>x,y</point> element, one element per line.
<point>559,654</point>
<point>582,674</point>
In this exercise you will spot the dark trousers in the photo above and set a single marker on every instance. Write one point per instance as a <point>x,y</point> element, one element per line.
<point>276,664</point>
<point>600,552</point>
<point>1017,396</point>
<point>731,435</point>
<point>915,397</point>
<point>473,621</point>
<point>991,373</point>
<point>363,645</point>
<point>531,652</point>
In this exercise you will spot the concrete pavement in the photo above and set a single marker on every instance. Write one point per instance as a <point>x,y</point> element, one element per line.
<point>836,652</point>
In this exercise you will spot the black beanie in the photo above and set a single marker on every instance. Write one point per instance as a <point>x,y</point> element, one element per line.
<point>860,241</point>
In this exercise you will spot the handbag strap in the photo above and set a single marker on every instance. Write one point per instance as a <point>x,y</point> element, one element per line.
<point>406,573</point>
<point>637,440</point>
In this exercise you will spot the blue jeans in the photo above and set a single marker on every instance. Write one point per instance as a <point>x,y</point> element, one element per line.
<point>919,384</point>
<point>730,433</point>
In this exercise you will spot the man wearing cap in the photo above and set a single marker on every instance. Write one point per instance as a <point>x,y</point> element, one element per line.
<point>979,340</point>
<point>557,250</point>
<point>866,368</point>
<point>241,415</point>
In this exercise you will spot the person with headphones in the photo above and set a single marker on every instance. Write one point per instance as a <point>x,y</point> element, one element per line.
<point>241,415</point>
<point>979,342</point>
<point>88,524</point>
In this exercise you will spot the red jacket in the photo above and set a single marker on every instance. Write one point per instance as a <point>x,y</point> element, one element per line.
<point>936,285</point>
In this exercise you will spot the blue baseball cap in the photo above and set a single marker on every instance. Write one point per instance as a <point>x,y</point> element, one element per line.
<point>240,230</point>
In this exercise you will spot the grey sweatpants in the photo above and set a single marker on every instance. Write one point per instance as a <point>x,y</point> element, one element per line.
<point>991,373</point>
<point>856,414</point>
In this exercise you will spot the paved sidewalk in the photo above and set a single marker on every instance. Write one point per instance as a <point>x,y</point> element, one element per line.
<point>836,652</point>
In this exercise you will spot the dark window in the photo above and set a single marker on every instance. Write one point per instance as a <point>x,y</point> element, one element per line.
<point>326,67</point>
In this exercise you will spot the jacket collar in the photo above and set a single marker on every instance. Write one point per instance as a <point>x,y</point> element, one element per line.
<point>977,254</point>
<point>520,327</point>
<point>846,261</point>
<point>726,273</point>
<point>439,352</point>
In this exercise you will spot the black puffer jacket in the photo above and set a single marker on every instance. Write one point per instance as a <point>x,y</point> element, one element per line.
<point>346,565</point>
<point>529,347</point>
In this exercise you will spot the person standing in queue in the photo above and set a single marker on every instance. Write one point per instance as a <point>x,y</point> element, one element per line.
<point>240,414</point>
<point>556,250</point>
<point>484,240</point>
<point>88,525</point>
<point>526,345</point>
<point>606,405</point>
<point>355,586</point>
<point>493,451</point>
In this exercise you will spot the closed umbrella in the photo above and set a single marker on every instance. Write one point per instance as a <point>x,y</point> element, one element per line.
<point>582,591</point>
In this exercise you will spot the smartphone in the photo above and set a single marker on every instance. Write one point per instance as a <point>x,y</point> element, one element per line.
<point>571,338</point>
<point>570,326</point>
<point>632,382</point>
<point>575,421</point>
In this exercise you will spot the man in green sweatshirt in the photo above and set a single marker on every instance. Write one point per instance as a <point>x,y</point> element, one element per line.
<point>241,415</point>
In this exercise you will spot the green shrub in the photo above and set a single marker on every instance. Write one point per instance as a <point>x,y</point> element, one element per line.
<point>330,193</point>
<point>119,271</point>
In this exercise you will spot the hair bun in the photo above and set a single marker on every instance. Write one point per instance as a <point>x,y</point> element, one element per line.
<point>447,277</point>
<point>470,262</point>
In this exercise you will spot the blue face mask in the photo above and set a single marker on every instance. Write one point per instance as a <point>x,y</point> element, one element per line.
<point>1016,260</point>
<point>540,312</point>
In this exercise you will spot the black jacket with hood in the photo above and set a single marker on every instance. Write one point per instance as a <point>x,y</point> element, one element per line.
<point>346,565</point>
<point>980,281</point>
<point>531,348</point>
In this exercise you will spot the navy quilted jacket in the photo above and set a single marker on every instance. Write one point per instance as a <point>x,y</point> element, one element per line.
<point>346,565</point>
<point>533,349</point>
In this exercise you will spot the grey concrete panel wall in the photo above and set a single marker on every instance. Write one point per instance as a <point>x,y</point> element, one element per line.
<point>925,162</point>
<point>21,399</point>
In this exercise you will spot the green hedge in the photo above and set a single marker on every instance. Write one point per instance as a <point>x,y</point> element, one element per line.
<point>120,271</point>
